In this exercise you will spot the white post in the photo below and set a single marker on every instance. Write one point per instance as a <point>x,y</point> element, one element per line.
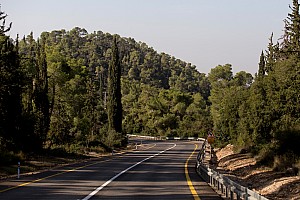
<point>19,169</point>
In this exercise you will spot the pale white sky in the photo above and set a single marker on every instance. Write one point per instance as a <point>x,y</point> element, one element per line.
<point>205,33</point>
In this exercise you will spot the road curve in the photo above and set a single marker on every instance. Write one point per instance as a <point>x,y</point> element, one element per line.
<point>157,170</point>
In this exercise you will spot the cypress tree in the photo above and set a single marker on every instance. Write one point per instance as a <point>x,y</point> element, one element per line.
<point>114,105</point>
<point>261,65</point>
<point>291,37</point>
<point>271,55</point>
<point>41,100</point>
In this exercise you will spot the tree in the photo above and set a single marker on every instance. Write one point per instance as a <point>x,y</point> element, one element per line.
<point>3,28</point>
<point>261,65</point>
<point>41,100</point>
<point>219,78</point>
<point>114,104</point>
<point>271,55</point>
<point>10,91</point>
<point>291,38</point>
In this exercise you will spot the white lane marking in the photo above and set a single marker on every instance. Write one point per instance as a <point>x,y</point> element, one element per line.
<point>122,172</point>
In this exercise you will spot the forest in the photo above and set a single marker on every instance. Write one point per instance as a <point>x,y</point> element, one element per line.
<point>55,92</point>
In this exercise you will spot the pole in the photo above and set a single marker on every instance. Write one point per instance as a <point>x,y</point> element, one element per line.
<point>19,169</point>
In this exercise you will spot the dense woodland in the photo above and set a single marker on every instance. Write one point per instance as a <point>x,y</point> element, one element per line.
<point>55,92</point>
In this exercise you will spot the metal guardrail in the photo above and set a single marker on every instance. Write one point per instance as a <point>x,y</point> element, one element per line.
<point>224,185</point>
<point>144,137</point>
<point>164,137</point>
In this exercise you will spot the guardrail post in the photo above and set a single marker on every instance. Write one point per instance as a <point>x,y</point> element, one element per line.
<point>232,193</point>
<point>245,195</point>
<point>227,192</point>
<point>214,180</point>
<point>221,185</point>
<point>238,197</point>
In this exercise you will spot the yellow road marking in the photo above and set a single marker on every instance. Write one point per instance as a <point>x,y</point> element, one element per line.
<point>188,179</point>
<point>66,171</point>
<point>40,179</point>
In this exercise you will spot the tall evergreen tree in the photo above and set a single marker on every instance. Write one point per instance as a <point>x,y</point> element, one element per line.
<point>291,38</point>
<point>271,55</point>
<point>10,90</point>
<point>261,65</point>
<point>41,100</point>
<point>114,104</point>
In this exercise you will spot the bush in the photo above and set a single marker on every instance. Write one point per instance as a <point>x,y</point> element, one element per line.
<point>266,154</point>
<point>288,141</point>
<point>243,143</point>
<point>297,165</point>
<point>113,139</point>
<point>285,161</point>
<point>7,158</point>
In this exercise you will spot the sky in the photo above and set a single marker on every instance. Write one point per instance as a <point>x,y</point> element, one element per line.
<point>204,33</point>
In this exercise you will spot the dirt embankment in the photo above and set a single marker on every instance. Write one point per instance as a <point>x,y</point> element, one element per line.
<point>243,169</point>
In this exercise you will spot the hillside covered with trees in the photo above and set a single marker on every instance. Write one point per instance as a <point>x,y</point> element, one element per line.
<point>54,92</point>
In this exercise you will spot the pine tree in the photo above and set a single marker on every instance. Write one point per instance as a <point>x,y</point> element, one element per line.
<point>114,105</point>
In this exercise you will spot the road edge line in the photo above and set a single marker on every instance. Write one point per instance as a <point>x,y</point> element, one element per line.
<point>187,176</point>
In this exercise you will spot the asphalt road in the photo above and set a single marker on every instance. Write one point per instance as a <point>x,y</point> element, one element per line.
<point>156,170</point>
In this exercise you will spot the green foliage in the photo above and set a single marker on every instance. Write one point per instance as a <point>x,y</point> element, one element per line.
<point>260,115</point>
<point>283,152</point>
<point>291,37</point>
<point>10,92</point>
<point>78,90</point>
<point>113,139</point>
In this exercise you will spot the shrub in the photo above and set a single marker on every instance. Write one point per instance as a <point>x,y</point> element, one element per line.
<point>113,139</point>
<point>288,141</point>
<point>7,158</point>
<point>266,154</point>
<point>285,161</point>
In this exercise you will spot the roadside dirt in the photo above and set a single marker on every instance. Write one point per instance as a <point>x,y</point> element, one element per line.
<point>242,168</point>
<point>39,163</point>
<point>36,164</point>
